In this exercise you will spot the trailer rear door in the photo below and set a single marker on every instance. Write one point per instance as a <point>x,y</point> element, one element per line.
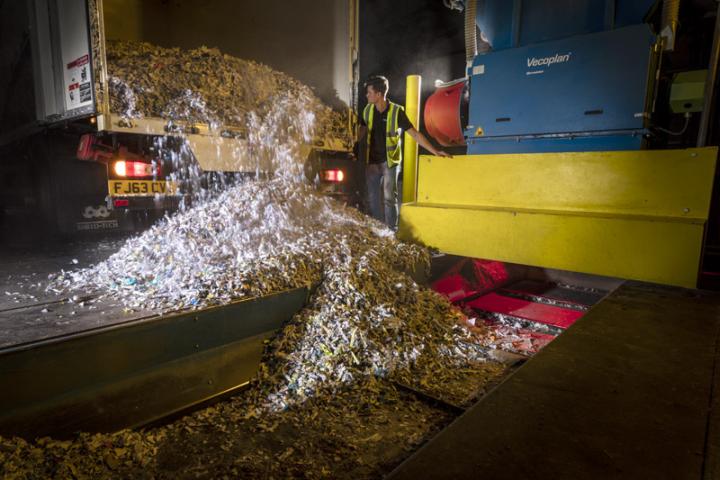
<point>62,69</point>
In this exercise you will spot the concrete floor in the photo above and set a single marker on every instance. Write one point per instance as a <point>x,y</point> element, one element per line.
<point>629,391</point>
<point>29,312</point>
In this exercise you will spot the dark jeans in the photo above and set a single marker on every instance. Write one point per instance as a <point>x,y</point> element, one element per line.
<point>382,180</point>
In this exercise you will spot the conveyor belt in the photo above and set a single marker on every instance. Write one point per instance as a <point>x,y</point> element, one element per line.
<point>556,292</point>
<point>532,311</point>
<point>629,391</point>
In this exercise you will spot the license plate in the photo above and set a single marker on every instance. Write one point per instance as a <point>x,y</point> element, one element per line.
<point>127,188</point>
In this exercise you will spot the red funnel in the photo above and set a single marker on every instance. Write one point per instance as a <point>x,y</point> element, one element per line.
<point>444,113</point>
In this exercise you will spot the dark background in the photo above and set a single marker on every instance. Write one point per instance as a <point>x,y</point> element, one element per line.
<point>410,37</point>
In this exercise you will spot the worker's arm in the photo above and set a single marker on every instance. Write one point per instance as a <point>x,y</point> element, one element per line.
<point>425,143</point>
<point>361,132</point>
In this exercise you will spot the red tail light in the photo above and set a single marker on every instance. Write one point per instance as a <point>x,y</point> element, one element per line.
<point>84,151</point>
<point>121,202</point>
<point>126,168</point>
<point>333,176</point>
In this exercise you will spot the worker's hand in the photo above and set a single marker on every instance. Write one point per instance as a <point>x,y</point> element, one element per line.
<point>441,153</point>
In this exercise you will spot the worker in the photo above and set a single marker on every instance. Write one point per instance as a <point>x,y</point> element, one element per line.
<point>383,123</point>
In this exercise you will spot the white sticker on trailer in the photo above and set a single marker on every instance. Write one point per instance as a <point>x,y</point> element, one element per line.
<point>78,89</point>
<point>478,69</point>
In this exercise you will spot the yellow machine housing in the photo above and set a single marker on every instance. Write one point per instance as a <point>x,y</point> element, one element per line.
<point>630,214</point>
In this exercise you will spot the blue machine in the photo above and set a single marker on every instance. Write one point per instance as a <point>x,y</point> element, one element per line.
<point>561,76</point>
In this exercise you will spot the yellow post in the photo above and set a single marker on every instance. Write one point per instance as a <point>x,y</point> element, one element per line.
<point>410,153</point>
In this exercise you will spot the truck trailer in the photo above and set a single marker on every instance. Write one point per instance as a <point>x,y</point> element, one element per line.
<point>71,164</point>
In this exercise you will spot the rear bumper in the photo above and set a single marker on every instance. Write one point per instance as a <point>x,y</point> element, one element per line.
<point>160,202</point>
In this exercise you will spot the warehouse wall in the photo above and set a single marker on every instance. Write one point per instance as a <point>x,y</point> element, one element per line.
<point>307,39</point>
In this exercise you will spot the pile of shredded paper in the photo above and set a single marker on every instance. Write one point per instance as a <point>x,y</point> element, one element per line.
<point>367,315</point>
<point>206,86</point>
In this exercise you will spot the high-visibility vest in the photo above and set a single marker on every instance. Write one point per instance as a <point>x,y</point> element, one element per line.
<point>393,139</point>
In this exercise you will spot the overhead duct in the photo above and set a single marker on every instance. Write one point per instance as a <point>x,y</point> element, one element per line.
<point>670,22</point>
<point>475,41</point>
<point>470,31</point>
